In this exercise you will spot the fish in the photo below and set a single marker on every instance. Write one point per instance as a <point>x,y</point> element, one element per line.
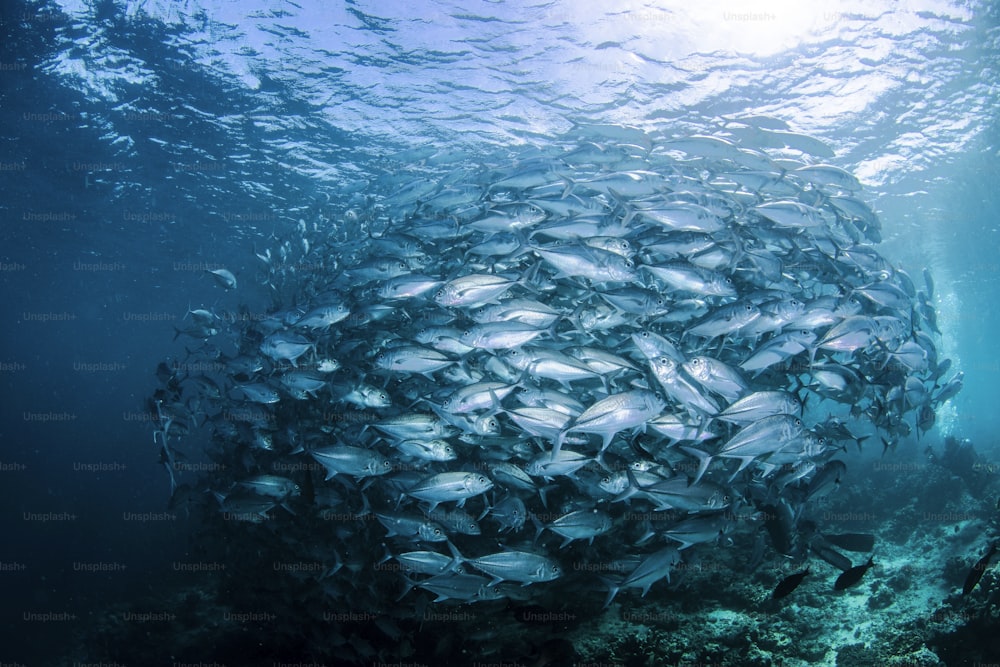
<point>788,584</point>
<point>725,320</point>
<point>290,347</point>
<point>556,463</point>
<point>412,425</point>
<point>426,450</point>
<point>716,376</point>
<point>758,405</point>
<point>198,330</point>
<point>456,521</point>
<point>271,486</point>
<point>426,562</point>
<point>415,527</point>
<point>853,576</point>
<point>510,513</point>
<point>586,262</point>
<point>609,324</point>
<point>523,567</point>
<point>615,413</point>
<point>346,459</point>
<point>450,486</point>
<point>413,359</point>
<point>223,278</point>
<point>259,392</point>
<point>246,506</point>
<point>540,362</point>
<point>462,587</point>
<point>651,569</point>
<point>584,524</point>
<point>477,289</point>
<point>977,570</point>
<point>302,384</point>
<point>323,317</point>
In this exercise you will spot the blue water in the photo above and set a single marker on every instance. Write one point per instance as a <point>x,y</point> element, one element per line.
<point>141,142</point>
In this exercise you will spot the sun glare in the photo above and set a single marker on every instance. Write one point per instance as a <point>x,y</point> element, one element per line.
<point>759,27</point>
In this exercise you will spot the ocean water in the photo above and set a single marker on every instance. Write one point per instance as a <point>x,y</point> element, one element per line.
<point>142,143</point>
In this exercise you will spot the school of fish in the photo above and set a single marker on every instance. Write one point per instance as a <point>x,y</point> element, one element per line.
<point>566,370</point>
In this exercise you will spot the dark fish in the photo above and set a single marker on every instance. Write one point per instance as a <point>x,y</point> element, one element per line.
<point>780,525</point>
<point>860,542</point>
<point>852,576</point>
<point>826,551</point>
<point>789,584</point>
<point>977,571</point>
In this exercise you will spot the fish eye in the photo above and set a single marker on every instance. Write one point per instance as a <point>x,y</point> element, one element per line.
<point>696,361</point>
<point>629,263</point>
<point>748,307</point>
<point>798,422</point>
<point>383,396</point>
<point>645,334</point>
<point>402,265</point>
<point>555,568</point>
<point>437,531</point>
<point>482,480</point>
<point>606,480</point>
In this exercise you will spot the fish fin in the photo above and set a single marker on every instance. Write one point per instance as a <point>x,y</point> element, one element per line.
<point>570,184</point>
<point>557,445</point>
<point>613,589</point>
<point>542,496</point>
<point>539,527</point>
<point>409,585</point>
<point>704,460</point>
<point>608,437</point>
<point>487,507</point>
